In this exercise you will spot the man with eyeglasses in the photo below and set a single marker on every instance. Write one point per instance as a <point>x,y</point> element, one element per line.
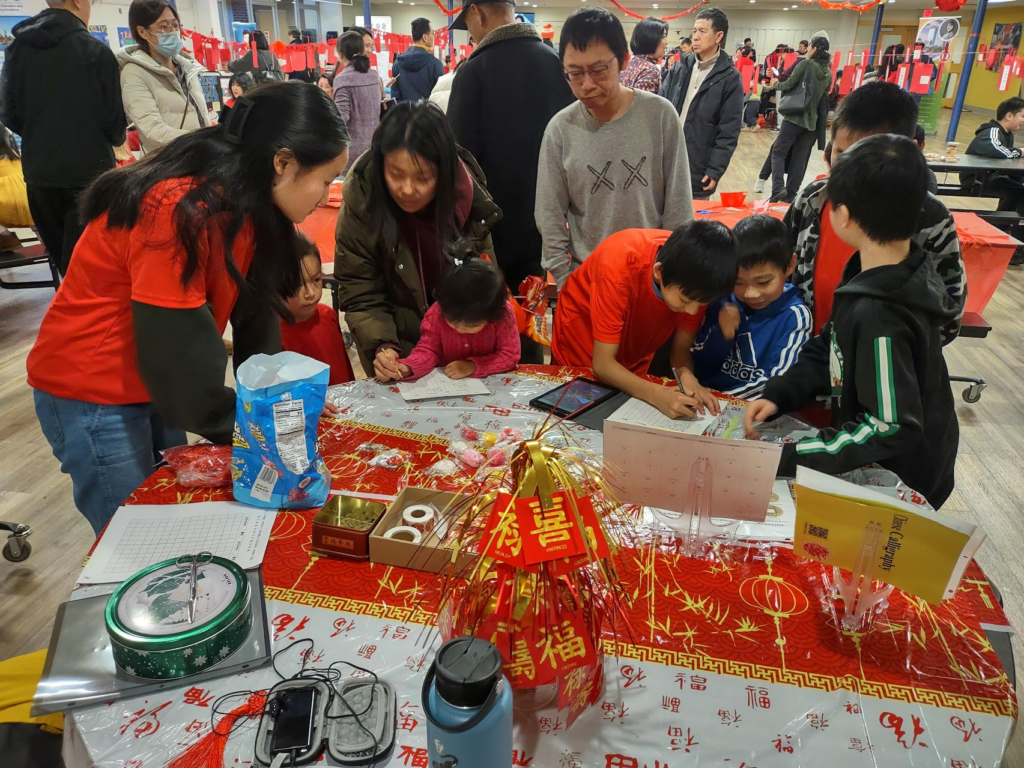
<point>613,160</point>
<point>61,92</point>
<point>707,92</point>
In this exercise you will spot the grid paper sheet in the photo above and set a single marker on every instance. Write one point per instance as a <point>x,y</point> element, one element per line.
<point>139,536</point>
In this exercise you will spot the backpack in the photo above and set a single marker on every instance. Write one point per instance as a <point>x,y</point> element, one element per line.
<point>273,74</point>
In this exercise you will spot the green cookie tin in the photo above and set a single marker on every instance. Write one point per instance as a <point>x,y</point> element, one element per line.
<point>147,619</point>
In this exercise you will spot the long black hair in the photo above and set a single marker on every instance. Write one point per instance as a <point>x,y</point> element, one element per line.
<point>350,45</point>
<point>422,129</point>
<point>232,164</point>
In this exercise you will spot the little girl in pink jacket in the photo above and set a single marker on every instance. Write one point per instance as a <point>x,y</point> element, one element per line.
<point>470,330</point>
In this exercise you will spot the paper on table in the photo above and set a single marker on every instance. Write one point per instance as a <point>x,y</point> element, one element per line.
<point>435,385</point>
<point>922,552</point>
<point>660,468</point>
<point>139,536</point>
<point>778,524</point>
<point>641,414</point>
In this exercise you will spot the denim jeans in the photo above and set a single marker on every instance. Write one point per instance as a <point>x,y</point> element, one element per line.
<point>108,450</point>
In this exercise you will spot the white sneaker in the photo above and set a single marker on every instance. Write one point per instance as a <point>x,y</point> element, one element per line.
<point>759,186</point>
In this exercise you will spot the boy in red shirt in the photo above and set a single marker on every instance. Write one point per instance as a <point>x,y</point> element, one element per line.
<point>315,331</point>
<point>636,290</point>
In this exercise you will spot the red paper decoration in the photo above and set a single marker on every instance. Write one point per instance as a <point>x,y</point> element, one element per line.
<point>950,5</point>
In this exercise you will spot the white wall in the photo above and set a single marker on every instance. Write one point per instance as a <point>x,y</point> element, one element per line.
<point>195,14</point>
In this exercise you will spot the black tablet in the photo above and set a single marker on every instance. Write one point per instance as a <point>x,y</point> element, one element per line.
<point>574,398</point>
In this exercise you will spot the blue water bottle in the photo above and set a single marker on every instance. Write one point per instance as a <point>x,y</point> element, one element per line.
<point>468,704</point>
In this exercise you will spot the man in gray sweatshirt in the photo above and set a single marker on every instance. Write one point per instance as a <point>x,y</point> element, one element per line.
<point>613,160</point>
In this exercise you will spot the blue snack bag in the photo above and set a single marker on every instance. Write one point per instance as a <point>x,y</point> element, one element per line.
<point>275,461</point>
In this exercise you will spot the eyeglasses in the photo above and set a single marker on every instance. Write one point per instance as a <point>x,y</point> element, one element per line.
<point>597,72</point>
<point>166,27</point>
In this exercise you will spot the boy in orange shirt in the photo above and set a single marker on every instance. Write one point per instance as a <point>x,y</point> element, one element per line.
<point>315,331</point>
<point>636,290</point>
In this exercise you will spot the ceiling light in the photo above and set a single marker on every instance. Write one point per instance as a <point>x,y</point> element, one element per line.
<point>655,5</point>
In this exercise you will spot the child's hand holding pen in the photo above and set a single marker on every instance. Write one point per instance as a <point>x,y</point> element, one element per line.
<point>699,398</point>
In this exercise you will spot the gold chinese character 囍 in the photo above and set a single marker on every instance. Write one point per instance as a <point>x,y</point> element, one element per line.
<point>552,525</point>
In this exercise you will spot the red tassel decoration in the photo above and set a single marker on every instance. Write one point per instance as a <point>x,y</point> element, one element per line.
<point>208,752</point>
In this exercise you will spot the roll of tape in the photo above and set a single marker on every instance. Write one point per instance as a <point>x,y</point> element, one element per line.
<point>404,533</point>
<point>420,516</point>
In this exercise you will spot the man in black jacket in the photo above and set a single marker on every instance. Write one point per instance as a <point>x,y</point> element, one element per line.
<point>706,90</point>
<point>501,102</point>
<point>416,71</point>
<point>67,140</point>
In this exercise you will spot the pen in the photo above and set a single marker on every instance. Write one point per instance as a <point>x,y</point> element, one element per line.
<point>679,383</point>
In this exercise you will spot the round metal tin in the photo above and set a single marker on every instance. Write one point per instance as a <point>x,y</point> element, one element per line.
<point>147,619</point>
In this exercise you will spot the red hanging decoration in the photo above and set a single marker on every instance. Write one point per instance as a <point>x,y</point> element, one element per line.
<point>453,12</point>
<point>208,752</point>
<point>846,6</point>
<point>950,5</point>
<point>278,48</point>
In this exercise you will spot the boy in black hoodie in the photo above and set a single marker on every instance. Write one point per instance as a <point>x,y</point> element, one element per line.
<point>879,358</point>
<point>995,139</point>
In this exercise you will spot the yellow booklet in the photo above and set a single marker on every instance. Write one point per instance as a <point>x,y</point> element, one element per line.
<point>920,551</point>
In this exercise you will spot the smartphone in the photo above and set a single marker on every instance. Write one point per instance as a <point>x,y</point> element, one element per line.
<point>293,726</point>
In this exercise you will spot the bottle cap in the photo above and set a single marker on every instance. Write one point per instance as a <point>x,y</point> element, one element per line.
<point>466,670</point>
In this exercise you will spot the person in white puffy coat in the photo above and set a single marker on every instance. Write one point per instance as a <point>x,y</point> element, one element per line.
<point>159,85</point>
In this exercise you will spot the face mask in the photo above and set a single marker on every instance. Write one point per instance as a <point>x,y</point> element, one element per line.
<point>168,43</point>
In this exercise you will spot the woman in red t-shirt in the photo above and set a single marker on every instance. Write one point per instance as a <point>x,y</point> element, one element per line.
<point>129,356</point>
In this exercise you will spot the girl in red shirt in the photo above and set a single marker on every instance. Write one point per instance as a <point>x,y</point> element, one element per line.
<point>129,355</point>
<point>470,330</point>
<point>314,331</point>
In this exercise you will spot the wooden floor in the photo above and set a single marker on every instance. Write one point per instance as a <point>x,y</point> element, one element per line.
<point>990,467</point>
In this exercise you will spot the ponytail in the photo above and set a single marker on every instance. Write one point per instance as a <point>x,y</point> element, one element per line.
<point>350,46</point>
<point>361,63</point>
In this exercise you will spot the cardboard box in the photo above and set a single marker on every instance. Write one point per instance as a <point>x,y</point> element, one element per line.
<point>429,555</point>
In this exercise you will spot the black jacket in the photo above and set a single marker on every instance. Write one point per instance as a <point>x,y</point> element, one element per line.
<point>502,99</point>
<point>417,71</point>
<point>713,122</point>
<point>879,361</point>
<point>990,140</point>
<point>61,92</point>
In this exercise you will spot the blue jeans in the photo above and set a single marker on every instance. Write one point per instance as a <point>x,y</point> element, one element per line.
<point>108,450</point>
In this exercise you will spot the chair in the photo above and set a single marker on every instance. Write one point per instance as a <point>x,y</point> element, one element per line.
<point>24,257</point>
<point>17,548</point>
<point>972,326</point>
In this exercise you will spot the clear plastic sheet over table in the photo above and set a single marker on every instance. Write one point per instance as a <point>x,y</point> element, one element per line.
<point>735,661</point>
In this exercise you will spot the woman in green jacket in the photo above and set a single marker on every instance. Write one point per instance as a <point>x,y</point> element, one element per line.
<point>406,201</point>
<point>797,132</point>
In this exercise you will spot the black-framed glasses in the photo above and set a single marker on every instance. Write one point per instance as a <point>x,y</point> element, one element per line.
<point>596,72</point>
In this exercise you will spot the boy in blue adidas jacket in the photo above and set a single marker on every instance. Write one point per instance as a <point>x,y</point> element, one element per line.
<point>757,332</point>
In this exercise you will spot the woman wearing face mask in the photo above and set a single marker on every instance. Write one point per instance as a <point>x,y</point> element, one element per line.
<point>412,195</point>
<point>160,86</point>
<point>129,355</point>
